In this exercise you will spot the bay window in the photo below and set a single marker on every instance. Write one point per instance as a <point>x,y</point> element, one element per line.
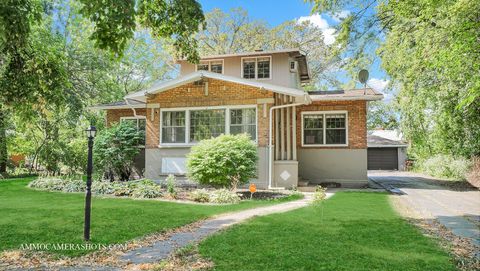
<point>189,126</point>
<point>324,128</point>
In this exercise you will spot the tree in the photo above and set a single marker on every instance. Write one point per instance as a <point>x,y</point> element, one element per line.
<point>382,115</point>
<point>224,161</point>
<point>235,32</point>
<point>115,149</point>
<point>430,51</point>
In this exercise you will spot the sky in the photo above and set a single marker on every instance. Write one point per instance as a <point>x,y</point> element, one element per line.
<point>277,12</point>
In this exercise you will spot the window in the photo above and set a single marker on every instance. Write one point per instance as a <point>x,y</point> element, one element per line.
<point>211,65</point>
<point>205,124</point>
<point>324,128</point>
<point>188,126</point>
<point>243,121</point>
<point>139,123</point>
<point>173,127</point>
<point>256,67</point>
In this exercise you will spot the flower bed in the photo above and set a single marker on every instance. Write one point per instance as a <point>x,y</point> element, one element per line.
<point>147,189</point>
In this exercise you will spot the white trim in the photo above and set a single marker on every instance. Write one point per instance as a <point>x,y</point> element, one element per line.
<point>367,97</point>
<point>134,117</point>
<point>270,76</point>
<point>324,128</point>
<point>125,106</point>
<point>386,146</point>
<point>187,122</point>
<point>210,64</point>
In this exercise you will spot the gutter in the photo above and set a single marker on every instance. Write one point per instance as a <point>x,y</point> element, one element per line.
<point>270,154</point>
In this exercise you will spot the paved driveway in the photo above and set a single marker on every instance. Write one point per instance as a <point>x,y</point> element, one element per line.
<point>458,210</point>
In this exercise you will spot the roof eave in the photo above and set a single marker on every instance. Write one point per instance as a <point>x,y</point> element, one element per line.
<point>351,98</point>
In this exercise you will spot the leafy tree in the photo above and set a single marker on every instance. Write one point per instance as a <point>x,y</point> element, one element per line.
<point>224,161</point>
<point>430,51</point>
<point>382,115</point>
<point>115,149</point>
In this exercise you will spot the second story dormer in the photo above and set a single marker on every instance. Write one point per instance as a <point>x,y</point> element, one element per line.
<point>286,67</point>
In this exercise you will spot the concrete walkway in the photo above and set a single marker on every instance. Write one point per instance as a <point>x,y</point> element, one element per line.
<point>459,211</point>
<point>162,249</point>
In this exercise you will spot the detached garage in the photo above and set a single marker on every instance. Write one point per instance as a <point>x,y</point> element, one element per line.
<point>384,153</point>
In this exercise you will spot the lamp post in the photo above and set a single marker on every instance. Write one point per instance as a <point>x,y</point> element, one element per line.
<point>90,131</point>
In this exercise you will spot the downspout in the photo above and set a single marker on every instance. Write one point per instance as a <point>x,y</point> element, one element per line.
<point>131,107</point>
<point>270,154</point>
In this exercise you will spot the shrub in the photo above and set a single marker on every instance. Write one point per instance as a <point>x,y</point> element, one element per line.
<point>58,184</point>
<point>115,149</point>
<point>224,196</point>
<point>224,161</point>
<point>147,189</point>
<point>171,186</point>
<point>200,195</point>
<point>446,166</point>
<point>102,187</point>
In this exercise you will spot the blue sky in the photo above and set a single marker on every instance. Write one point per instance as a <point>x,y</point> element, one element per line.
<point>277,12</point>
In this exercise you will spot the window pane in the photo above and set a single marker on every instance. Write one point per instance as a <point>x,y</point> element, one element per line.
<point>141,129</point>
<point>173,127</point>
<point>313,137</point>
<point>216,66</point>
<point>202,67</point>
<point>205,124</point>
<point>249,68</point>
<point>243,121</point>
<point>263,67</point>
<point>335,129</point>
<point>313,129</point>
<point>336,136</point>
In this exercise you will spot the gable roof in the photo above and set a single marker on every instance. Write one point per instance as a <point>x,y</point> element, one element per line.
<point>385,138</point>
<point>141,96</point>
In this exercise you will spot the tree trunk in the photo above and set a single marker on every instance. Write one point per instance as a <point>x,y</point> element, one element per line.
<point>3,141</point>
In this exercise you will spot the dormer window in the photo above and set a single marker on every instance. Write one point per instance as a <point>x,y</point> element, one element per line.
<point>256,67</point>
<point>211,66</point>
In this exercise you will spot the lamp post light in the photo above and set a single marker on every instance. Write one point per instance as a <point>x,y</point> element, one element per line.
<point>90,131</point>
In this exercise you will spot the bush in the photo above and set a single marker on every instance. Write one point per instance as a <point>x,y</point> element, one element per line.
<point>224,196</point>
<point>146,189</point>
<point>102,187</point>
<point>200,195</point>
<point>224,161</point>
<point>58,184</point>
<point>171,186</point>
<point>446,166</point>
<point>115,149</point>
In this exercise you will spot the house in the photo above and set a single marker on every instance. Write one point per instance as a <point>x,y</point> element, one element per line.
<point>386,150</point>
<point>318,136</point>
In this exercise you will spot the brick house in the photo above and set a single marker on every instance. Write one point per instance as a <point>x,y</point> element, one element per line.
<point>318,136</point>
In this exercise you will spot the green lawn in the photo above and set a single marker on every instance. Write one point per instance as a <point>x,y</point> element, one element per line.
<point>31,216</point>
<point>359,231</point>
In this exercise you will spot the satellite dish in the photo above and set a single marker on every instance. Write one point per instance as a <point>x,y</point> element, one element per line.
<point>363,76</point>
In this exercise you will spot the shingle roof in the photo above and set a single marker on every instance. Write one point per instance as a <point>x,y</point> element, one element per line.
<point>377,141</point>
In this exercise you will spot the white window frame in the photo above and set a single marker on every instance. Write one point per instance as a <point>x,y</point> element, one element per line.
<point>137,118</point>
<point>209,64</point>
<point>187,122</point>
<point>324,128</point>
<point>256,67</point>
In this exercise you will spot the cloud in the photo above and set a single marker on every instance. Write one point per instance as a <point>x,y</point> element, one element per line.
<point>317,20</point>
<point>380,85</point>
<point>338,16</point>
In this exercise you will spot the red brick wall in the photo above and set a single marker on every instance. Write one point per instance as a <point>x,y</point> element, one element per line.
<point>219,93</point>
<point>357,121</point>
<point>114,115</point>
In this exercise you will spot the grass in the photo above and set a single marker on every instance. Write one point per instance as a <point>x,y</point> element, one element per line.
<point>359,231</point>
<point>29,216</point>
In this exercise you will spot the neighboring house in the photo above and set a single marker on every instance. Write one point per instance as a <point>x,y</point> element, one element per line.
<point>319,136</point>
<point>386,150</point>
